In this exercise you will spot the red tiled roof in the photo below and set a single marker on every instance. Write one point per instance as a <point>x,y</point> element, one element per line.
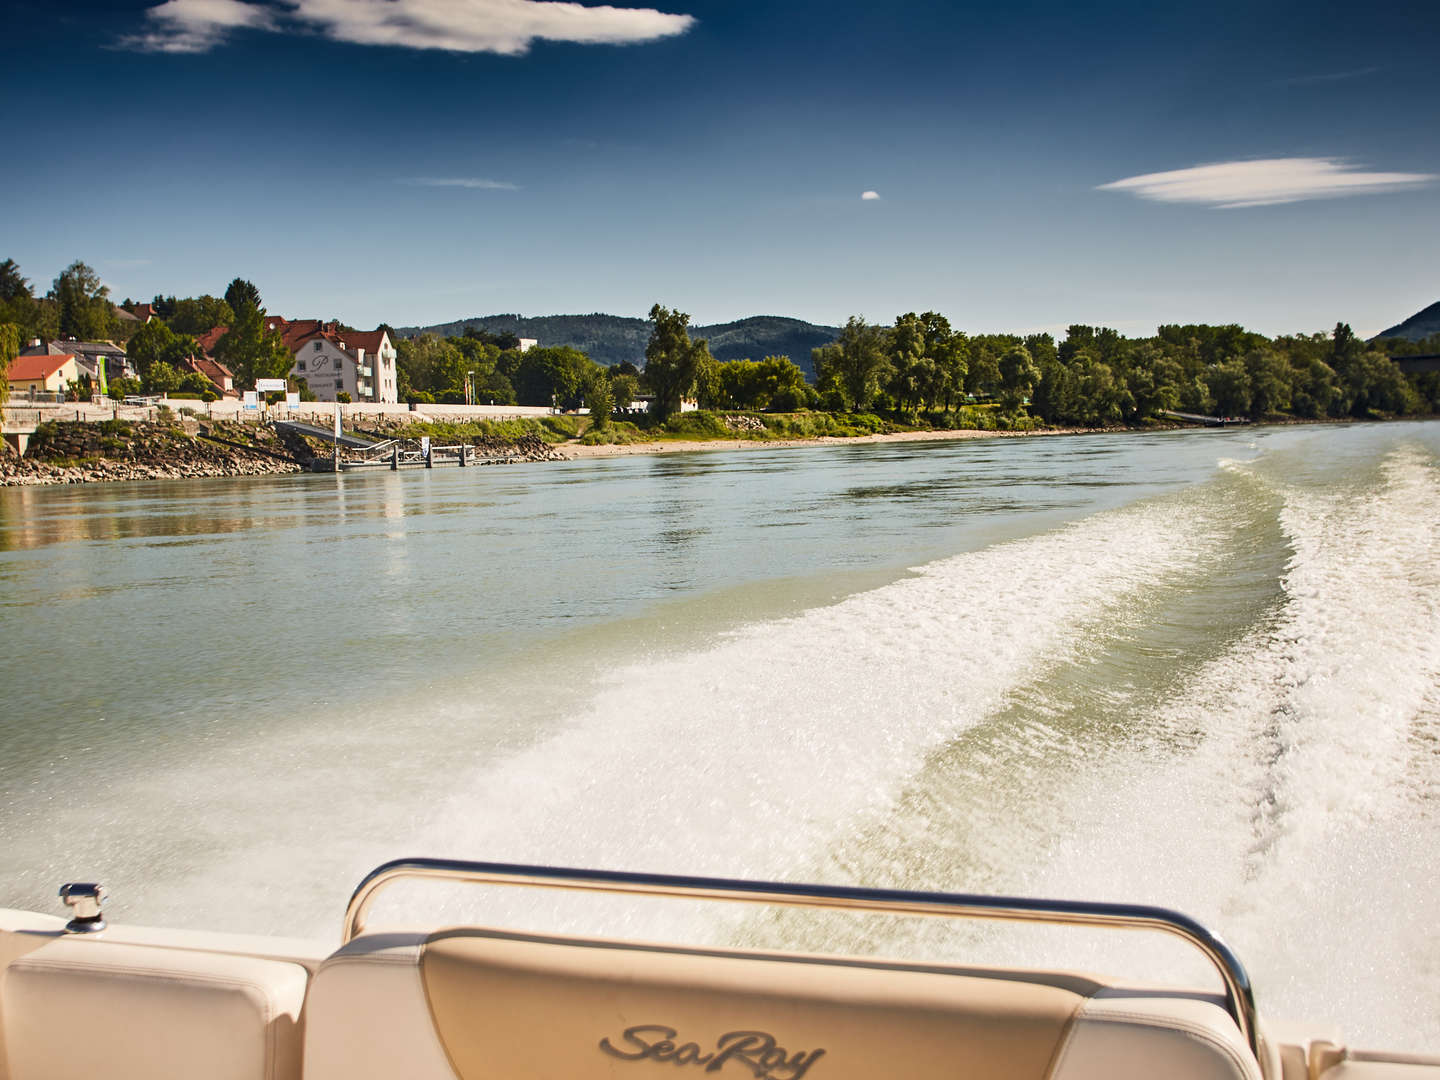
<point>369,340</point>
<point>296,332</point>
<point>37,367</point>
<point>208,340</point>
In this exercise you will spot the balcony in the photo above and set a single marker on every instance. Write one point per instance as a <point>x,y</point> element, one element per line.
<point>364,372</point>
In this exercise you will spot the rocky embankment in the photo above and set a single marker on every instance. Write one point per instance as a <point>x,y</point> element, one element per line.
<point>78,453</point>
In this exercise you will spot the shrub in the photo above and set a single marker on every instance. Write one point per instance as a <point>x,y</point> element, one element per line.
<point>343,397</point>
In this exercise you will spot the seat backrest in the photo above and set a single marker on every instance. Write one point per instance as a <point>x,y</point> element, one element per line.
<point>486,1005</point>
<point>99,1006</point>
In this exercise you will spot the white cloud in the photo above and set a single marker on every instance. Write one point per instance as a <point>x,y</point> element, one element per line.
<point>476,182</point>
<point>869,196</point>
<point>196,26</point>
<point>1233,184</point>
<point>495,26</point>
<point>508,27</point>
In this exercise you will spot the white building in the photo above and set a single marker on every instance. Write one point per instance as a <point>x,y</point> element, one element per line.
<point>332,361</point>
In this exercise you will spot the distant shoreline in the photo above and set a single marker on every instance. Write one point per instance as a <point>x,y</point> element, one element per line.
<point>579,452</point>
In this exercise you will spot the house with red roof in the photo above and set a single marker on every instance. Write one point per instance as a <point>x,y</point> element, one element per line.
<point>220,376</point>
<point>43,373</point>
<point>331,359</point>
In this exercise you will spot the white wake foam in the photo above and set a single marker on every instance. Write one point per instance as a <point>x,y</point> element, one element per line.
<point>745,758</point>
<point>1303,823</point>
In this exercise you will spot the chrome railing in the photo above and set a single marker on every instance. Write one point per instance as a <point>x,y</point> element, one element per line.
<point>1239,995</point>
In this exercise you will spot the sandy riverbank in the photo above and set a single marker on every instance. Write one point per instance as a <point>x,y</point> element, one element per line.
<point>575,451</point>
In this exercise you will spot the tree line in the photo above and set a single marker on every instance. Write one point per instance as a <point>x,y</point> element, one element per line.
<point>919,367</point>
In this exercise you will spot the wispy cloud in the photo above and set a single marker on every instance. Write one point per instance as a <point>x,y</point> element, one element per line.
<point>508,27</point>
<point>196,26</point>
<point>1333,76</point>
<point>869,196</point>
<point>477,183</point>
<point>1233,184</point>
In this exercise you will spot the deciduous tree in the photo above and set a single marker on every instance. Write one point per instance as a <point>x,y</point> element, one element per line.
<point>672,360</point>
<point>84,304</point>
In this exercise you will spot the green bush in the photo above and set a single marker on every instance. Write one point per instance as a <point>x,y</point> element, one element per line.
<point>618,433</point>
<point>698,425</point>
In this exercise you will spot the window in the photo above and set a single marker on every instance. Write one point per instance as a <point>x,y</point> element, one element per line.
<point>301,364</point>
<point>317,346</point>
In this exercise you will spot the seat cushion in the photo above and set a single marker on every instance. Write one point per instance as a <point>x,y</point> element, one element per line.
<point>85,1008</point>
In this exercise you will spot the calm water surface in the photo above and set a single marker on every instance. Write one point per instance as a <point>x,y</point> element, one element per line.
<point>1199,669</point>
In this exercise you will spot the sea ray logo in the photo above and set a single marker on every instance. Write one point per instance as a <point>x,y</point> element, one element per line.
<point>756,1050</point>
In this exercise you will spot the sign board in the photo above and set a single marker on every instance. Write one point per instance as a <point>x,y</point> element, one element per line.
<point>425,445</point>
<point>251,400</point>
<point>267,385</point>
<point>292,400</point>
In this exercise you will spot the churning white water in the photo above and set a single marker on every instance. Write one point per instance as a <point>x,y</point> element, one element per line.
<point>1200,671</point>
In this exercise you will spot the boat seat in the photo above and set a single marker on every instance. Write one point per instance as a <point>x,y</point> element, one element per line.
<point>478,1004</point>
<point>86,1007</point>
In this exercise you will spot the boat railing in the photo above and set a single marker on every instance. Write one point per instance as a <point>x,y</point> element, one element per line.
<point>1239,994</point>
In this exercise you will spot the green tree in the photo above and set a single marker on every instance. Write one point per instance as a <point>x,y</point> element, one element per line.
<point>855,365</point>
<point>155,343</point>
<point>672,360</point>
<point>598,399</point>
<point>9,350</point>
<point>1230,387</point>
<point>911,372</point>
<point>199,314</point>
<point>623,389</point>
<point>1018,376</point>
<point>555,375</point>
<point>162,378</point>
<point>242,294</point>
<point>83,302</point>
<point>251,351</point>
<point>12,284</point>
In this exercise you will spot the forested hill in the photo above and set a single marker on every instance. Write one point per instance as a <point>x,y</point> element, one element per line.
<point>1422,324</point>
<point>610,339</point>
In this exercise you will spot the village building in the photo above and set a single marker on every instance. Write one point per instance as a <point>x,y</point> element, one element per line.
<point>332,360</point>
<point>90,357</point>
<point>220,376</point>
<point>42,373</point>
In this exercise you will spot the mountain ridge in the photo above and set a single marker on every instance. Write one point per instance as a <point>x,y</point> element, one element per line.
<point>1424,323</point>
<point>613,339</point>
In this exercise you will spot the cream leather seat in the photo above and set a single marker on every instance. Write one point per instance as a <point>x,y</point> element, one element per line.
<point>87,1007</point>
<point>483,1005</point>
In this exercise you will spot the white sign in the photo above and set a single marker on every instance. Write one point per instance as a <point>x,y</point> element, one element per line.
<point>292,400</point>
<point>265,385</point>
<point>424,445</point>
<point>250,400</point>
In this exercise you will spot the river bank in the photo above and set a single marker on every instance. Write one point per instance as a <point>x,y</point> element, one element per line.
<point>81,452</point>
<point>578,451</point>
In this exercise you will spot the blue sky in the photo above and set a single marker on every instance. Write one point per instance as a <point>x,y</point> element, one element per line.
<point>414,161</point>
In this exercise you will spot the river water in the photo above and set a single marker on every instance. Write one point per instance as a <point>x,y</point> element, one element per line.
<point>1199,669</point>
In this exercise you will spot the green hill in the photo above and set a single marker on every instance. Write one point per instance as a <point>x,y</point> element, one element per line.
<point>1417,327</point>
<point>611,339</point>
